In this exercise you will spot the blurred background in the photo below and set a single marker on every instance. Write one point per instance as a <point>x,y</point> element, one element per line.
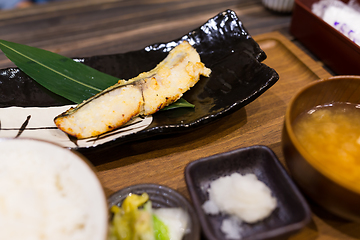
<point>11,4</point>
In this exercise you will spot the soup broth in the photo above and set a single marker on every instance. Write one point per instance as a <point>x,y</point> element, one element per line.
<point>331,134</point>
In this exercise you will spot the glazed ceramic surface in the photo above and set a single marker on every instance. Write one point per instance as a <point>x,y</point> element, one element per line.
<point>238,77</point>
<point>291,214</point>
<point>161,197</point>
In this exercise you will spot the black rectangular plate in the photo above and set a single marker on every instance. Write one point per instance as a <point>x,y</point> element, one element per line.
<point>238,77</point>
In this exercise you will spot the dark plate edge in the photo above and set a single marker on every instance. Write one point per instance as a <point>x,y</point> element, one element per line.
<point>113,199</point>
<point>286,230</point>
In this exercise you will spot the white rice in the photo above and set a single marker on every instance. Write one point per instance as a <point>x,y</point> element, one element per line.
<point>40,196</point>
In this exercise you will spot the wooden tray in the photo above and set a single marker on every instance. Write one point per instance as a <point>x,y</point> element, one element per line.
<point>162,160</point>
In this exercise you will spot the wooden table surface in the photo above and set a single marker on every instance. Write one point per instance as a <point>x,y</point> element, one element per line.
<point>80,28</point>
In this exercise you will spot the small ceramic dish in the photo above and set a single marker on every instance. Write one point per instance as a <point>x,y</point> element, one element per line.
<point>161,197</point>
<point>292,212</point>
<point>281,6</point>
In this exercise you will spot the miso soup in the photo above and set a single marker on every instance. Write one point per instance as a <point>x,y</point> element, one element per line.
<point>331,134</point>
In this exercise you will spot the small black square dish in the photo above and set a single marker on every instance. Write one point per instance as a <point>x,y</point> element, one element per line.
<point>291,214</point>
<point>161,197</point>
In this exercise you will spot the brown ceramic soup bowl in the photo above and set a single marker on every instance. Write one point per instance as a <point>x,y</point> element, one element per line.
<point>322,187</point>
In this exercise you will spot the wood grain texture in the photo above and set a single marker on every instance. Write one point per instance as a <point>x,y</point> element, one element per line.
<point>259,123</point>
<point>79,28</point>
<point>163,160</point>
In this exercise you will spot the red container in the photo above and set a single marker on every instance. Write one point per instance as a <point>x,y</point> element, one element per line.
<point>333,48</point>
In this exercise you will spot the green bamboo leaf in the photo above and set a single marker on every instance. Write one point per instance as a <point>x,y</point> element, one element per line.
<point>61,75</point>
<point>181,103</point>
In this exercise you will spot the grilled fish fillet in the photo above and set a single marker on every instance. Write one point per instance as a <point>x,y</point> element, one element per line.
<point>143,95</point>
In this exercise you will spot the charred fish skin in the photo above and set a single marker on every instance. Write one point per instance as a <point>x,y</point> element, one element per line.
<point>143,95</point>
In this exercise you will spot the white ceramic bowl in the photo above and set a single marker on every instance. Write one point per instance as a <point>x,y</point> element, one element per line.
<point>283,6</point>
<point>49,192</point>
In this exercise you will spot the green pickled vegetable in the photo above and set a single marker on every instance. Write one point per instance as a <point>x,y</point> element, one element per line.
<point>134,221</point>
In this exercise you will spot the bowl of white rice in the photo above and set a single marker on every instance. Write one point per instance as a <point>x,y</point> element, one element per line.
<point>49,192</point>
